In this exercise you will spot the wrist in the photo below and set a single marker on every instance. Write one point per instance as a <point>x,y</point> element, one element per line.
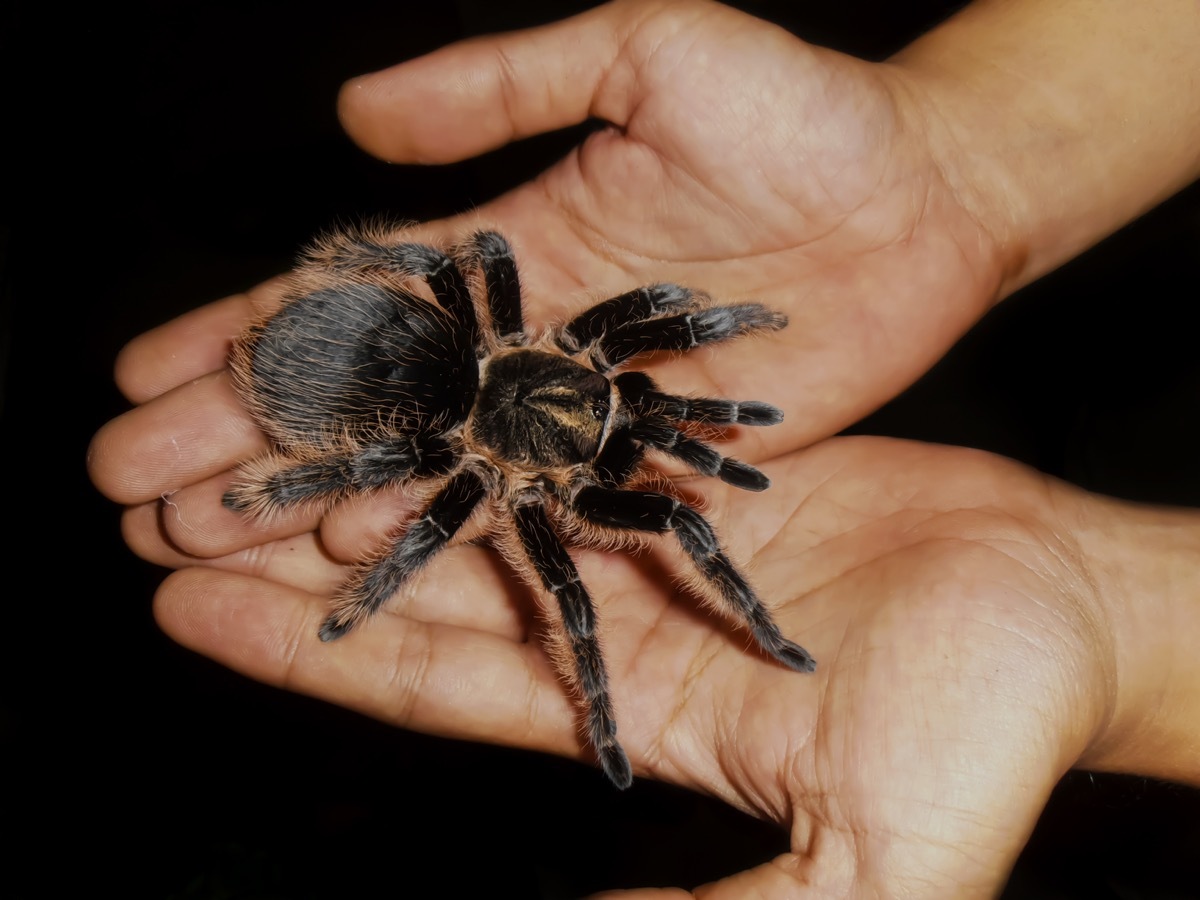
<point>1145,564</point>
<point>1057,123</point>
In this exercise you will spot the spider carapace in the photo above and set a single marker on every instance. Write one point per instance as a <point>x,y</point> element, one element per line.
<point>396,363</point>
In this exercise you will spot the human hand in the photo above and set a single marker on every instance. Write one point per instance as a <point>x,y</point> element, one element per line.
<point>967,657</point>
<point>967,650</point>
<point>804,183</point>
<point>884,207</point>
<point>739,160</point>
<point>179,444</point>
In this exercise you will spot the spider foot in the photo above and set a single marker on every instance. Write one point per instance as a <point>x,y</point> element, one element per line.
<point>792,655</point>
<point>698,455</point>
<point>740,475</point>
<point>254,492</point>
<point>261,502</point>
<point>334,629</point>
<point>357,600</point>
<point>237,501</point>
<point>616,765</point>
<point>601,723</point>
<point>756,413</point>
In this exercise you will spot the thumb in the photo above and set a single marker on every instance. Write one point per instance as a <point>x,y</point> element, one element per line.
<point>479,94</point>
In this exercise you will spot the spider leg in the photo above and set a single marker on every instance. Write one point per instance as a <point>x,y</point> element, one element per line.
<point>648,511</point>
<point>491,253</point>
<point>374,582</point>
<point>559,577</point>
<point>640,391</point>
<point>682,332</point>
<point>653,427</point>
<point>633,306</point>
<point>619,457</point>
<point>697,455</point>
<point>626,447</point>
<point>262,491</point>
<point>348,253</point>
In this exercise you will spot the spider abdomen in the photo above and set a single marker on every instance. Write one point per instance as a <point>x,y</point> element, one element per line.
<point>356,358</point>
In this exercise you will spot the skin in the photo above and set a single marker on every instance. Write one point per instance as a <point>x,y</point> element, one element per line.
<point>979,628</point>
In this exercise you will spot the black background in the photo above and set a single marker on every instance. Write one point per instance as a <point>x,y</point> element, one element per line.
<point>163,157</point>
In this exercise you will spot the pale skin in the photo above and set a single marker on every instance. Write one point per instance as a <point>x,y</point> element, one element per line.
<point>979,629</point>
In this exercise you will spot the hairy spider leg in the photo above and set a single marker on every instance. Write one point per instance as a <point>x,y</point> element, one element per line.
<point>626,447</point>
<point>375,582</point>
<point>491,254</point>
<point>640,391</point>
<point>354,252</point>
<point>263,493</point>
<point>654,512</point>
<point>637,305</point>
<point>653,427</point>
<point>681,332</point>
<point>557,572</point>
<point>697,455</point>
<point>619,457</point>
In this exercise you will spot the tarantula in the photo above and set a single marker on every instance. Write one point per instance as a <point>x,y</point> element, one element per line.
<point>397,363</point>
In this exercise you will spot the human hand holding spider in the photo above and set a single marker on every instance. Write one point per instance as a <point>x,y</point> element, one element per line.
<point>883,207</point>
<point>976,638</point>
<point>861,216</point>
<point>978,626</point>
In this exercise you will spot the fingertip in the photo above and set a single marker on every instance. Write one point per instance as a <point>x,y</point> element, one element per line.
<point>189,346</point>
<point>98,460</point>
<point>479,94</point>
<point>191,433</point>
<point>181,606</point>
<point>247,623</point>
<point>363,109</point>
<point>130,370</point>
<point>143,533</point>
<point>196,521</point>
<point>437,109</point>
<point>164,357</point>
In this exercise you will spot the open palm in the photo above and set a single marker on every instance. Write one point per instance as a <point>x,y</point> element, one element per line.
<point>740,161</point>
<point>953,630</point>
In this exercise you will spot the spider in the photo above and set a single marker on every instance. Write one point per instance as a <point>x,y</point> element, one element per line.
<point>394,363</point>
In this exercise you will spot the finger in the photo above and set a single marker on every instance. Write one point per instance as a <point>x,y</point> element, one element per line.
<point>465,585</point>
<point>788,875</point>
<point>141,527</point>
<point>364,525</point>
<point>191,345</point>
<point>298,560</point>
<point>196,521</point>
<point>480,94</point>
<point>185,436</point>
<point>468,587</point>
<point>439,679</point>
